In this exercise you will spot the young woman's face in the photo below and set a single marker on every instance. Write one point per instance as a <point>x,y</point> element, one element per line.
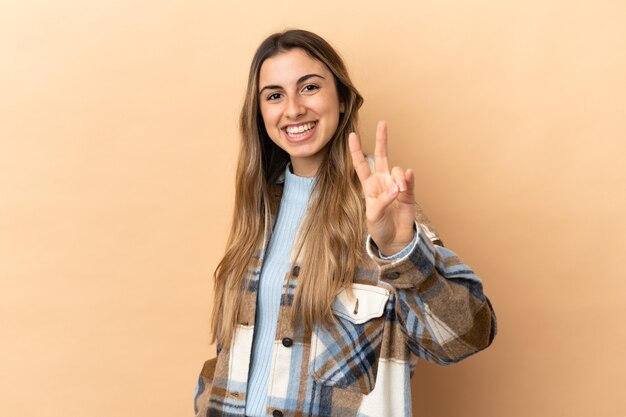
<point>300,107</point>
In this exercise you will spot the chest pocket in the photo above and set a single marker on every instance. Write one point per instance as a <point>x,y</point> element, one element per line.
<point>345,354</point>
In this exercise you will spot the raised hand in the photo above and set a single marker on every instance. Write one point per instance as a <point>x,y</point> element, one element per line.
<point>389,195</point>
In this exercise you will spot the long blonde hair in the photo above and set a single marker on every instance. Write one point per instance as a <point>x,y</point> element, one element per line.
<point>330,239</point>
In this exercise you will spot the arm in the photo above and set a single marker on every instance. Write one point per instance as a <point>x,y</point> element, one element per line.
<point>439,300</point>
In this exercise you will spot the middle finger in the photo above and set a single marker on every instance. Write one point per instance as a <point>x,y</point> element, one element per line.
<point>380,151</point>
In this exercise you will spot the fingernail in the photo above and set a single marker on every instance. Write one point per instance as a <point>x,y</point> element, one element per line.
<point>402,187</point>
<point>393,190</point>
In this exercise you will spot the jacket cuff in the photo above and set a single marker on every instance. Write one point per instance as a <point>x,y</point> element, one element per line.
<point>398,255</point>
<point>411,269</point>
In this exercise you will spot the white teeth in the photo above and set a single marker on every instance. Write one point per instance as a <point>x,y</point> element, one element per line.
<point>294,131</point>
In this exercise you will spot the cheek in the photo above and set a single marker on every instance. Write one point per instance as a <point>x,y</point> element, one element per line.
<point>333,113</point>
<point>267,120</point>
<point>270,117</point>
<point>331,106</point>
<point>270,122</point>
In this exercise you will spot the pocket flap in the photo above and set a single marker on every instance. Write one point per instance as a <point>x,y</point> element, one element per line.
<point>368,302</point>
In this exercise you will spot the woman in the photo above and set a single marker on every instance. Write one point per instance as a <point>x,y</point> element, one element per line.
<point>331,277</point>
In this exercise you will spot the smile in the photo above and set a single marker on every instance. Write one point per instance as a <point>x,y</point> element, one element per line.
<point>297,132</point>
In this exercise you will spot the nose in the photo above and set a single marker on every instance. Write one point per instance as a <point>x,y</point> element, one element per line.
<point>295,107</point>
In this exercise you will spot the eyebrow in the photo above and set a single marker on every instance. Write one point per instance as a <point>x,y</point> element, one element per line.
<point>300,80</point>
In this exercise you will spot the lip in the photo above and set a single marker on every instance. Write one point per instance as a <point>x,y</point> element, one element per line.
<point>309,134</point>
<point>298,124</point>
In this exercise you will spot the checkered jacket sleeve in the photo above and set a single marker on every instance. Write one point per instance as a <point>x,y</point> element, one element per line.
<point>439,300</point>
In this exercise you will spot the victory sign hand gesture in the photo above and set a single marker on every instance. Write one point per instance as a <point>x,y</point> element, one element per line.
<point>389,195</point>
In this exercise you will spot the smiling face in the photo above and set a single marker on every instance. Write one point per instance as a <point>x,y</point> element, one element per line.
<point>300,107</point>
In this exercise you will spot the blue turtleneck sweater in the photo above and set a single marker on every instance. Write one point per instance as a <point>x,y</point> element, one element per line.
<point>276,263</point>
<point>293,205</point>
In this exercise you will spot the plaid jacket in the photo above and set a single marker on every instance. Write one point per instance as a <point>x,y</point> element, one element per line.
<point>428,303</point>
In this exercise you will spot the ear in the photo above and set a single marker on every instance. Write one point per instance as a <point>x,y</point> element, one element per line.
<point>342,107</point>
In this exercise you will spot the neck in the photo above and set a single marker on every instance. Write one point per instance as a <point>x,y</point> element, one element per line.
<point>305,168</point>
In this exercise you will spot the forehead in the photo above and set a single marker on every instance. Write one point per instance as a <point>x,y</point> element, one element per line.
<point>288,66</point>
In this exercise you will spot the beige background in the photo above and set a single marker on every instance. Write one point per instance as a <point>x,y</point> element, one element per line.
<point>117,151</point>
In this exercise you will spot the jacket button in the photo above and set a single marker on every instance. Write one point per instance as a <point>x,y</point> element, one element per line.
<point>287,342</point>
<point>392,275</point>
<point>295,271</point>
<point>277,413</point>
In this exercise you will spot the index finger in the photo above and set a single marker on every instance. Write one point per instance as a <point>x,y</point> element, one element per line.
<point>380,151</point>
<point>361,166</point>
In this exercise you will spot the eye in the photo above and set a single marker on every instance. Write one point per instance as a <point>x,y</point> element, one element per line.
<point>273,96</point>
<point>310,87</point>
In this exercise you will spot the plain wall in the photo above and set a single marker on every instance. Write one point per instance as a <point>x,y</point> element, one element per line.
<point>118,141</point>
